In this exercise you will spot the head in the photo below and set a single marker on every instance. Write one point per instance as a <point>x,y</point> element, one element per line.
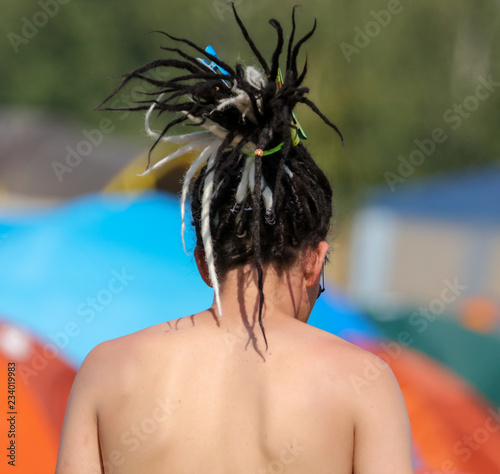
<point>260,199</point>
<point>300,221</point>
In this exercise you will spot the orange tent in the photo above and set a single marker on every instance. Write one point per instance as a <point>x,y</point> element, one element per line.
<point>37,382</point>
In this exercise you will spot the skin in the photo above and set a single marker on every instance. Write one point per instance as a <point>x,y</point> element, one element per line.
<point>200,394</point>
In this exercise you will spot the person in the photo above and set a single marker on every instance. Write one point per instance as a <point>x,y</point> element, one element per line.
<point>246,386</point>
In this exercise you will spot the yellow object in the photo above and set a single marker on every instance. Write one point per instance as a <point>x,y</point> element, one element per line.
<point>128,181</point>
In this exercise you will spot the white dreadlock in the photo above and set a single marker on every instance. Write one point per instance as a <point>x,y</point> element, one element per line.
<point>196,165</point>
<point>241,100</point>
<point>205,229</point>
<point>208,142</point>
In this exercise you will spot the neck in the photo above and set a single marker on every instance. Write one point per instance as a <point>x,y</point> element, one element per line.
<point>285,296</point>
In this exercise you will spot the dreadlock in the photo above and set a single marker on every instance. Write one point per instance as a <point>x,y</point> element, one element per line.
<point>259,196</point>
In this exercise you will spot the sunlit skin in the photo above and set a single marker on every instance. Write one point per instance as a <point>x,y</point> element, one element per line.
<point>201,394</point>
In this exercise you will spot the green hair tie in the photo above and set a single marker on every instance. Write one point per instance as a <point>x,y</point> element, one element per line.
<point>267,152</point>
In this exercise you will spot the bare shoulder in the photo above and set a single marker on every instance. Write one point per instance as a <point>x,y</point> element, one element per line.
<point>381,424</point>
<point>351,357</point>
<point>121,356</point>
<point>364,373</point>
<point>125,347</point>
<point>115,357</point>
<point>364,368</point>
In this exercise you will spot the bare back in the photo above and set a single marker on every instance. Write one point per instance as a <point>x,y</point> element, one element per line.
<point>198,398</point>
<point>188,396</point>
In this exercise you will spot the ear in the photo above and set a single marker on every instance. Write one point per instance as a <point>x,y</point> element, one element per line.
<point>201,262</point>
<point>314,264</point>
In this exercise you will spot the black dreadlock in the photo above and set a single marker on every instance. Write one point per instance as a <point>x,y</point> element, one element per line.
<point>247,113</point>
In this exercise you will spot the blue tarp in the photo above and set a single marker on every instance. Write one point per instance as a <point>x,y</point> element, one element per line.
<point>470,196</point>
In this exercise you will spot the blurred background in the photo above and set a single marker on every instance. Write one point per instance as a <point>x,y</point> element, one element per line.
<point>90,252</point>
